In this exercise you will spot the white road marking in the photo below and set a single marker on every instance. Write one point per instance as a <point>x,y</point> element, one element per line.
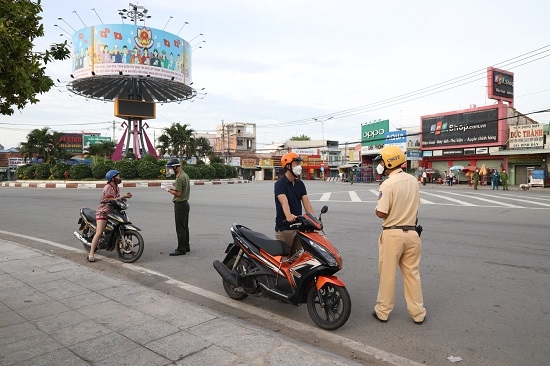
<point>354,197</point>
<point>325,197</point>
<point>477,198</point>
<point>464,203</point>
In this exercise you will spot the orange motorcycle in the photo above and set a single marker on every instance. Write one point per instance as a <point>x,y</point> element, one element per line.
<point>258,265</point>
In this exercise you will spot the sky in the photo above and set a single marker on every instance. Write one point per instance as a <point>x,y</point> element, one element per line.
<point>287,66</point>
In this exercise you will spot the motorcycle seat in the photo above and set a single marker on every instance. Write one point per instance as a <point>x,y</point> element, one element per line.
<point>272,246</point>
<point>89,213</point>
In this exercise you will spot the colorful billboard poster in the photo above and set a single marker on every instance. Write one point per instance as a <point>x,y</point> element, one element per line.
<point>71,142</point>
<point>500,84</point>
<point>526,137</point>
<point>397,138</point>
<point>468,128</point>
<point>130,49</point>
<point>373,133</point>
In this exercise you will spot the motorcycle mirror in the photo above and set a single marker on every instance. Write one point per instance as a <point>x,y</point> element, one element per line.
<point>324,209</point>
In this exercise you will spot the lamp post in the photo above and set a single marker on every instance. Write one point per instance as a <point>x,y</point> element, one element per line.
<point>323,142</point>
<point>135,12</point>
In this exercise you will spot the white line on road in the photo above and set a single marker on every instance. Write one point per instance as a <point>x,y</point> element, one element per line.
<point>354,197</point>
<point>325,197</point>
<point>476,197</point>
<point>464,203</point>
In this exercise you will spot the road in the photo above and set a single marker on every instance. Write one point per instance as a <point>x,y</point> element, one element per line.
<point>485,266</point>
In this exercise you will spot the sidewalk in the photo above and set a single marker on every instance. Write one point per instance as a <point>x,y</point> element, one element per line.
<point>101,184</point>
<point>56,312</point>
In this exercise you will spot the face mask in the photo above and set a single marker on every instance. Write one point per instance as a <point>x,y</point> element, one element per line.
<point>297,170</point>
<point>118,180</point>
<point>171,171</point>
<point>380,169</point>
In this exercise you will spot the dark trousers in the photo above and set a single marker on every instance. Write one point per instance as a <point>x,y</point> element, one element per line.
<point>181,213</point>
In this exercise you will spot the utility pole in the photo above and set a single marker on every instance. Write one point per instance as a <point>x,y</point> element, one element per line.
<point>223,141</point>
<point>114,131</point>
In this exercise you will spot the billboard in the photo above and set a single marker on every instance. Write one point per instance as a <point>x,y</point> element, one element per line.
<point>71,142</point>
<point>130,49</point>
<point>466,128</point>
<point>526,137</point>
<point>88,140</point>
<point>397,138</point>
<point>373,133</point>
<point>500,84</point>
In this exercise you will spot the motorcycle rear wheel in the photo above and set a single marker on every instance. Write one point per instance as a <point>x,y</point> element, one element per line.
<point>229,288</point>
<point>130,247</point>
<point>336,310</point>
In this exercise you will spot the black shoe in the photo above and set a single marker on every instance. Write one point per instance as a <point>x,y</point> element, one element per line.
<point>177,252</point>
<point>377,318</point>
<point>187,250</point>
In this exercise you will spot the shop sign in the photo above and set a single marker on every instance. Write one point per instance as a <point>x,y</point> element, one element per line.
<point>482,150</point>
<point>248,163</point>
<point>475,127</point>
<point>453,152</point>
<point>373,133</point>
<point>414,155</point>
<point>526,137</point>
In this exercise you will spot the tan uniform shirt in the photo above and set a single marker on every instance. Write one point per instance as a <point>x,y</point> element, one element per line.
<point>399,198</point>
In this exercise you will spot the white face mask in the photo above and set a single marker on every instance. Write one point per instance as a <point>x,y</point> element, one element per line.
<point>171,171</point>
<point>380,169</point>
<point>297,170</point>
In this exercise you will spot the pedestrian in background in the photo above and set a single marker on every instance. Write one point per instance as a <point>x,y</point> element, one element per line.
<point>351,176</point>
<point>504,180</point>
<point>180,191</point>
<point>475,178</point>
<point>399,244</point>
<point>424,177</point>
<point>494,179</point>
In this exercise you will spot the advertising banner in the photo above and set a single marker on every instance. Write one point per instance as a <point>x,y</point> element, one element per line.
<point>71,142</point>
<point>89,140</point>
<point>129,49</point>
<point>397,138</point>
<point>468,128</point>
<point>526,137</point>
<point>373,133</point>
<point>500,84</point>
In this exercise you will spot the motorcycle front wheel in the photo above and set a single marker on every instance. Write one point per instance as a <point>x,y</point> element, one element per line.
<point>129,247</point>
<point>229,288</point>
<point>330,306</point>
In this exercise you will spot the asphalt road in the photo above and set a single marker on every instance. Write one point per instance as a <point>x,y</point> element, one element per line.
<point>485,266</point>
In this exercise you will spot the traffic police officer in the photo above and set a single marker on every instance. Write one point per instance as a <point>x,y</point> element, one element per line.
<point>399,243</point>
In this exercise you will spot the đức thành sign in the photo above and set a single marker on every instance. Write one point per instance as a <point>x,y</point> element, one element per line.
<point>526,137</point>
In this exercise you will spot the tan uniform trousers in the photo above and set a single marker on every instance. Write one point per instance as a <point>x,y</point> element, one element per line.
<point>400,248</point>
<point>291,240</point>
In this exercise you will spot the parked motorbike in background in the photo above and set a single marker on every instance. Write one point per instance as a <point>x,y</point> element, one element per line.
<point>258,265</point>
<point>119,234</point>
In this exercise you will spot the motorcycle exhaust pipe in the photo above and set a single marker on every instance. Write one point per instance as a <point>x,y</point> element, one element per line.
<point>226,273</point>
<point>86,243</point>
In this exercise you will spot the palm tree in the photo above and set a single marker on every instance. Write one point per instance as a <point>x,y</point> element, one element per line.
<point>39,144</point>
<point>177,140</point>
<point>202,148</point>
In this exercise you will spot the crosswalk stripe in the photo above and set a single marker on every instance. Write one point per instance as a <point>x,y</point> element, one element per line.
<point>354,196</point>
<point>521,200</point>
<point>477,198</point>
<point>325,197</point>
<point>464,203</point>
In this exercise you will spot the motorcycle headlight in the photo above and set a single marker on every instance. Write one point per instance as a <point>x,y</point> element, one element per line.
<point>327,256</point>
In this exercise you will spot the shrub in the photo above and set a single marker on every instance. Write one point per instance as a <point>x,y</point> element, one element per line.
<point>219,170</point>
<point>232,172</point>
<point>207,172</point>
<point>147,170</point>
<point>126,168</point>
<point>99,170</point>
<point>150,158</point>
<point>29,172</point>
<point>59,169</point>
<point>20,171</point>
<point>43,171</point>
<point>80,171</point>
<point>192,171</point>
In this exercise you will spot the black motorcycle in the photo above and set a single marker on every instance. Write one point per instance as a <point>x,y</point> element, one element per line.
<point>119,234</point>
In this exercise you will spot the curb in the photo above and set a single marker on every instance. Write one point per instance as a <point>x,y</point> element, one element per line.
<point>57,184</point>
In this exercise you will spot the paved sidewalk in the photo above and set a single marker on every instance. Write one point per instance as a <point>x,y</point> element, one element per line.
<point>56,312</point>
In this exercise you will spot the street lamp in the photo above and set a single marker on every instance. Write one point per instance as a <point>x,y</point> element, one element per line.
<point>324,143</point>
<point>136,12</point>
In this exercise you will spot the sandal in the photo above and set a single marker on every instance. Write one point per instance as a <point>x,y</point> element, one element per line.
<point>90,259</point>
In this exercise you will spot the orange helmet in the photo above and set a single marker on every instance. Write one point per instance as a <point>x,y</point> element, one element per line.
<point>288,158</point>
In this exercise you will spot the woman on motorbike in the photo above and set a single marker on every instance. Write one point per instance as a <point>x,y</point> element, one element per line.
<point>110,193</point>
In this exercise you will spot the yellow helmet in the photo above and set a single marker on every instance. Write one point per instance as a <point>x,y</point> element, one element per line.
<point>392,155</point>
<point>288,158</point>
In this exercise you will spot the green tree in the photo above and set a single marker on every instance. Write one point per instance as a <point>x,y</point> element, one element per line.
<point>104,149</point>
<point>39,145</point>
<point>22,70</point>
<point>177,140</point>
<point>201,148</point>
<point>300,138</point>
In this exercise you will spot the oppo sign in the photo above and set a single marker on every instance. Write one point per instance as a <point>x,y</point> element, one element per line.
<point>373,133</point>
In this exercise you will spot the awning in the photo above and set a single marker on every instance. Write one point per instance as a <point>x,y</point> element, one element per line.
<point>347,166</point>
<point>521,152</point>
